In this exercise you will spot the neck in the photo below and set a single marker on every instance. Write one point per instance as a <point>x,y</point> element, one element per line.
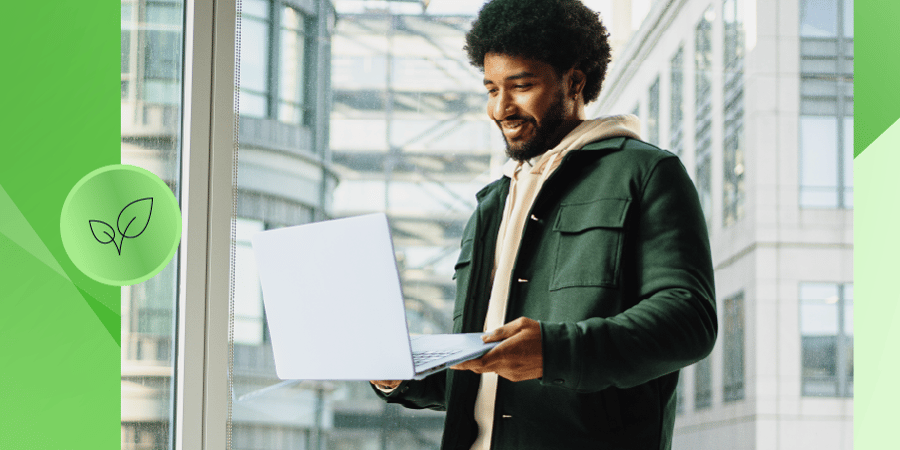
<point>563,130</point>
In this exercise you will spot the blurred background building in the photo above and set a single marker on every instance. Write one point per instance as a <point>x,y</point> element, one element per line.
<point>756,97</point>
<point>355,106</point>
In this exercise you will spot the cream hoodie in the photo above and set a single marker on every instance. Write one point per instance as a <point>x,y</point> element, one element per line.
<point>524,187</point>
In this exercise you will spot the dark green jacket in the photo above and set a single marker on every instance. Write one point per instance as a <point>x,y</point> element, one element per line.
<point>615,265</point>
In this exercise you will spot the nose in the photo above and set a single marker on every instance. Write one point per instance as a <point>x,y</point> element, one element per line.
<point>502,106</point>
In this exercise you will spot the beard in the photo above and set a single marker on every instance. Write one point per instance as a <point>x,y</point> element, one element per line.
<point>543,133</point>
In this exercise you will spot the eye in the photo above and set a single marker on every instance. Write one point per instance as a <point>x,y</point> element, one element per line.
<point>523,86</point>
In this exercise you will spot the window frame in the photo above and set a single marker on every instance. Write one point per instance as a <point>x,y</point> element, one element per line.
<point>200,402</point>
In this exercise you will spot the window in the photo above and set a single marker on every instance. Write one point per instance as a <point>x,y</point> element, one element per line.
<point>282,180</point>
<point>733,348</point>
<point>733,145</point>
<point>408,129</point>
<point>152,41</point>
<point>826,337</point>
<point>703,126</point>
<point>826,104</point>
<point>128,24</point>
<point>249,322</point>
<point>162,53</point>
<point>653,113</point>
<point>274,62</point>
<point>255,53</point>
<point>676,132</point>
<point>818,18</point>
<point>703,384</point>
<point>291,96</point>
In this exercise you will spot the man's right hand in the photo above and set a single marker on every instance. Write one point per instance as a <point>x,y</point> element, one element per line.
<point>386,384</point>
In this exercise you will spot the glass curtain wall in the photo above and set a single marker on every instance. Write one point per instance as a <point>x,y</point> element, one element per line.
<point>653,112</point>
<point>350,107</point>
<point>703,110</point>
<point>152,42</point>
<point>284,178</point>
<point>733,109</point>
<point>676,120</point>
<point>409,137</point>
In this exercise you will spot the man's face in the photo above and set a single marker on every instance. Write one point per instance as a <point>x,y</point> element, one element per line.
<point>527,101</point>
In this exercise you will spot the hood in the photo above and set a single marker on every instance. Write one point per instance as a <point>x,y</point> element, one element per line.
<point>605,127</point>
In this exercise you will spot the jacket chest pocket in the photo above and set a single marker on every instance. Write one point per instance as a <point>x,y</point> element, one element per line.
<point>590,239</point>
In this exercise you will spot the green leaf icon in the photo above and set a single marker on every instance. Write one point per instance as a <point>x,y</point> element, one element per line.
<point>135,217</point>
<point>118,201</point>
<point>101,228</point>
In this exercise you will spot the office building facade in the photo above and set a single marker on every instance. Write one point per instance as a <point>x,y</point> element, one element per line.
<point>755,97</point>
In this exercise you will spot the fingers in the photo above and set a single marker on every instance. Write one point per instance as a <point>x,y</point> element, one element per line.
<point>517,358</point>
<point>386,384</point>
<point>508,330</point>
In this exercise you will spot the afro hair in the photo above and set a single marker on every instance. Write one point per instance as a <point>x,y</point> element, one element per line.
<point>562,33</point>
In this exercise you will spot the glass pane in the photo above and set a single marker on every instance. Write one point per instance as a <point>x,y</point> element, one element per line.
<point>252,105</point>
<point>819,309</point>
<point>818,161</point>
<point>819,364</point>
<point>653,112</point>
<point>703,384</point>
<point>818,18</point>
<point>278,185</point>
<point>292,64</point>
<point>151,113</point>
<point>733,349</point>
<point>254,55</point>
<point>848,309</point>
<point>248,307</point>
<point>847,149</point>
<point>848,18</point>
<point>255,8</point>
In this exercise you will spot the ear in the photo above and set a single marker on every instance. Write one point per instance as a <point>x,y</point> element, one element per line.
<point>577,80</point>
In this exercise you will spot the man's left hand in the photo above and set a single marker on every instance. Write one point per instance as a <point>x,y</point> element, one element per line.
<point>517,358</point>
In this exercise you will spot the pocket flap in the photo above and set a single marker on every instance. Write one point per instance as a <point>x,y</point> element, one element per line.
<point>602,213</point>
<point>465,255</point>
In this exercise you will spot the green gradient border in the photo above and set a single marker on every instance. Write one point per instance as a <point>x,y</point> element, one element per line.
<point>61,381</point>
<point>876,218</point>
<point>61,366</point>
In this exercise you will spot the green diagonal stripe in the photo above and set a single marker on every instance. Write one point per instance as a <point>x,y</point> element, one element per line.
<point>876,65</point>
<point>109,319</point>
<point>16,228</point>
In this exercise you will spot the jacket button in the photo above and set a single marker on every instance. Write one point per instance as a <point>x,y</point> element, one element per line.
<point>535,218</point>
<point>559,381</point>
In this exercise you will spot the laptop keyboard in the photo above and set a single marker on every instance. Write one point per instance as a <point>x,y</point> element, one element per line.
<point>420,358</point>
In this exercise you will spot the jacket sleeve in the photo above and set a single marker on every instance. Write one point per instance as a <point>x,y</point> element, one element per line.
<point>418,394</point>
<point>673,322</point>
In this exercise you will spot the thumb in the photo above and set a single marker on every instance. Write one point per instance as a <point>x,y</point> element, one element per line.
<point>498,334</point>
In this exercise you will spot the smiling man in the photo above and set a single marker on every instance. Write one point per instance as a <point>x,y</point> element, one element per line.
<point>589,259</point>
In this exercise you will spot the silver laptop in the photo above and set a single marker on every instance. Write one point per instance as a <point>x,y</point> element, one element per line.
<point>335,309</point>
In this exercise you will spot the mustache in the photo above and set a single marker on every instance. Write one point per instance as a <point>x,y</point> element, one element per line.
<point>516,118</point>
